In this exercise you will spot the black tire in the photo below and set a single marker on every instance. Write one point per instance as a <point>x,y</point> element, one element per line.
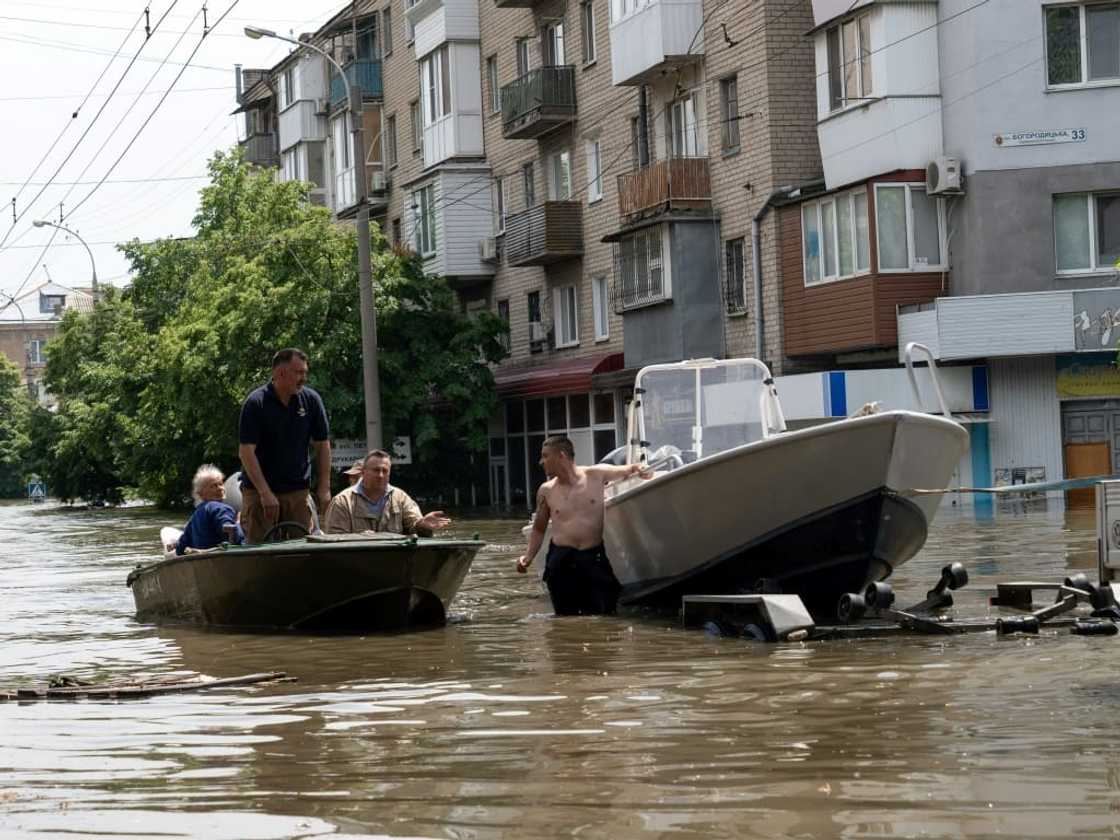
<point>955,574</point>
<point>879,595</point>
<point>276,529</point>
<point>1079,581</point>
<point>754,633</point>
<point>851,608</point>
<point>1028,624</point>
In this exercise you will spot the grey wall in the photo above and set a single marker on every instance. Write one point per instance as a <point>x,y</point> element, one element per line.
<point>691,325</point>
<point>993,81</point>
<point>1002,230</point>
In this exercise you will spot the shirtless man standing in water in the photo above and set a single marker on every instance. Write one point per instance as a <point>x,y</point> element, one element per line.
<point>577,572</point>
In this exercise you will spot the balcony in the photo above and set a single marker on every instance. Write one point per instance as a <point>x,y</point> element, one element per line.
<point>661,34</point>
<point>260,150</point>
<point>365,72</point>
<point>538,102</point>
<point>673,184</point>
<point>515,4</point>
<point>544,234</point>
<point>299,123</point>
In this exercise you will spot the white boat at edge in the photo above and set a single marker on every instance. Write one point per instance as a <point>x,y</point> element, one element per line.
<point>817,512</point>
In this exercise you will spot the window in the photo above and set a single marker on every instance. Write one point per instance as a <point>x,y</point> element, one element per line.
<point>435,88</point>
<point>289,164</point>
<point>729,113</point>
<point>735,292</point>
<point>492,78</point>
<point>587,25</point>
<point>835,237</point>
<point>340,139</point>
<point>409,29</point>
<point>599,299</point>
<point>51,303</point>
<point>397,231</point>
<point>529,185</point>
<point>910,228</point>
<point>536,336</point>
<point>391,139</point>
<point>640,269</point>
<point>387,31</point>
<point>35,351</point>
<point>560,176</point>
<point>552,43</point>
<point>1087,231</point>
<point>423,206</point>
<point>417,132</point>
<point>1083,43</point>
<point>625,8</point>
<point>287,88</point>
<point>849,62</point>
<point>503,314</point>
<point>316,168</point>
<point>521,49</point>
<point>594,172</point>
<point>566,316</point>
<point>500,203</point>
<point>683,136</point>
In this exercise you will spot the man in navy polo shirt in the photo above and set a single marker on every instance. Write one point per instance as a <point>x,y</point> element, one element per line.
<point>279,422</point>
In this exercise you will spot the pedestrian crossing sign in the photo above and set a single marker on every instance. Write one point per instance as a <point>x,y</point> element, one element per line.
<point>36,491</point>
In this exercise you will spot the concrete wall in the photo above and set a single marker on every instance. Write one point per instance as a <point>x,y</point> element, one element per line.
<point>1002,229</point>
<point>993,80</point>
<point>691,325</point>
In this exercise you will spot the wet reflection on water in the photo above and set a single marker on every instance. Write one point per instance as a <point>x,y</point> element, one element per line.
<point>511,723</point>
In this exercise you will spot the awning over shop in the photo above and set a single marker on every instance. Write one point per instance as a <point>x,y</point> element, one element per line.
<point>567,377</point>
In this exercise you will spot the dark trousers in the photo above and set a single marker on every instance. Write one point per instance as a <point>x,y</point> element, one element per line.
<point>580,581</point>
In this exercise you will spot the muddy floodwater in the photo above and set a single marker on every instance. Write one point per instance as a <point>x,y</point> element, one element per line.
<point>510,723</point>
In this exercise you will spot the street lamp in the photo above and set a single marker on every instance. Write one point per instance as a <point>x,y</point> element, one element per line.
<point>370,382</point>
<point>46,223</point>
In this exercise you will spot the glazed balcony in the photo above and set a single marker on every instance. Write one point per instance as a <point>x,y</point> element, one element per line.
<point>540,101</point>
<point>547,233</point>
<point>365,72</point>
<point>673,184</point>
<point>657,36</point>
<point>260,150</point>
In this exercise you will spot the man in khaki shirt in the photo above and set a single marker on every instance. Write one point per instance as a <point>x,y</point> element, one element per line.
<point>372,504</point>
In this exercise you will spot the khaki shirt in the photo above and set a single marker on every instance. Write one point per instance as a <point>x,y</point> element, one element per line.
<point>348,513</point>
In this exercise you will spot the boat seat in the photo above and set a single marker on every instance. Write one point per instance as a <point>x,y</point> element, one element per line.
<point>363,536</point>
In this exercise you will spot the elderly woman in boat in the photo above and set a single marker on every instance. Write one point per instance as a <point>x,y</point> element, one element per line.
<point>208,526</point>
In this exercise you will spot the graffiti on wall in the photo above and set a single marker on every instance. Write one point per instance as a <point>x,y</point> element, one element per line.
<point>1096,320</point>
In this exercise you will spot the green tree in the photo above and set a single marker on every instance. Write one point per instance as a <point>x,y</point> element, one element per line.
<point>151,384</point>
<point>15,442</point>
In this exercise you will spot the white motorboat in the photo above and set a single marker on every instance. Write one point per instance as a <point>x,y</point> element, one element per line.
<point>736,500</point>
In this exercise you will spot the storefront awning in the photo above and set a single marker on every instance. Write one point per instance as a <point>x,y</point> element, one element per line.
<point>566,377</point>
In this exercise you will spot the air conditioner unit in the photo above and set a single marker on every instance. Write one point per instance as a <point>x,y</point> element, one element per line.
<point>538,334</point>
<point>488,249</point>
<point>944,176</point>
<point>378,181</point>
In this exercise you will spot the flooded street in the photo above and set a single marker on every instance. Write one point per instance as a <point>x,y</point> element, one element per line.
<point>511,723</point>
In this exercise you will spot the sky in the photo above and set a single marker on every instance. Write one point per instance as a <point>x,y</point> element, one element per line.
<point>53,53</point>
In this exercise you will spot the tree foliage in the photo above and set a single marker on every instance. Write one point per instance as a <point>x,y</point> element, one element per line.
<point>15,442</point>
<point>151,383</point>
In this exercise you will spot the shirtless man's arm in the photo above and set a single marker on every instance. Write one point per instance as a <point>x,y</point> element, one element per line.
<point>540,524</point>
<point>607,473</point>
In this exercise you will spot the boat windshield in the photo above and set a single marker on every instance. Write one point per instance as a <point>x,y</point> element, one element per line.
<point>698,409</point>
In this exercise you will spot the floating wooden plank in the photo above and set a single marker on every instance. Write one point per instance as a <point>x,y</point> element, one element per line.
<point>129,690</point>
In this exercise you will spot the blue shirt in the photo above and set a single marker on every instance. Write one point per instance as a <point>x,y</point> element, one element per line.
<point>282,434</point>
<point>204,529</point>
<point>373,508</point>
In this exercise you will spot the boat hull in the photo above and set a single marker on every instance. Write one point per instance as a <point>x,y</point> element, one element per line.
<point>351,586</point>
<point>817,512</point>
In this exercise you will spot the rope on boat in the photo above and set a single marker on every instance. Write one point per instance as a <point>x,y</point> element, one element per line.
<point>1013,489</point>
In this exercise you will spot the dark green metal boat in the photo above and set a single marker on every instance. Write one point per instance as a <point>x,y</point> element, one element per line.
<point>324,583</point>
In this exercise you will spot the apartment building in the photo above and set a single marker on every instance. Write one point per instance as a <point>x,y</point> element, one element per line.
<point>971,201</point>
<point>29,321</point>
<point>601,174</point>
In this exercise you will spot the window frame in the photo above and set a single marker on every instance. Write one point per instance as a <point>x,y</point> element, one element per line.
<point>555,165</point>
<point>665,264</point>
<point>425,220</point>
<point>495,86</point>
<point>942,243</point>
<point>838,98</point>
<point>417,120</point>
<point>594,153</point>
<point>834,198</point>
<point>587,32</point>
<point>738,306</point>
<point>730,122</point>
<point>387,31</point>
<point>501,204</point>
<point>35,351</point>
<point>521,54</point>
<point>1083,46</point>
<point>678,115</point>
<point>600,308</point>
<point>571,291</point>
<point>1094,234</point>
<point>529,184</point>
<point>554,50</point>
<point>391,140</point>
